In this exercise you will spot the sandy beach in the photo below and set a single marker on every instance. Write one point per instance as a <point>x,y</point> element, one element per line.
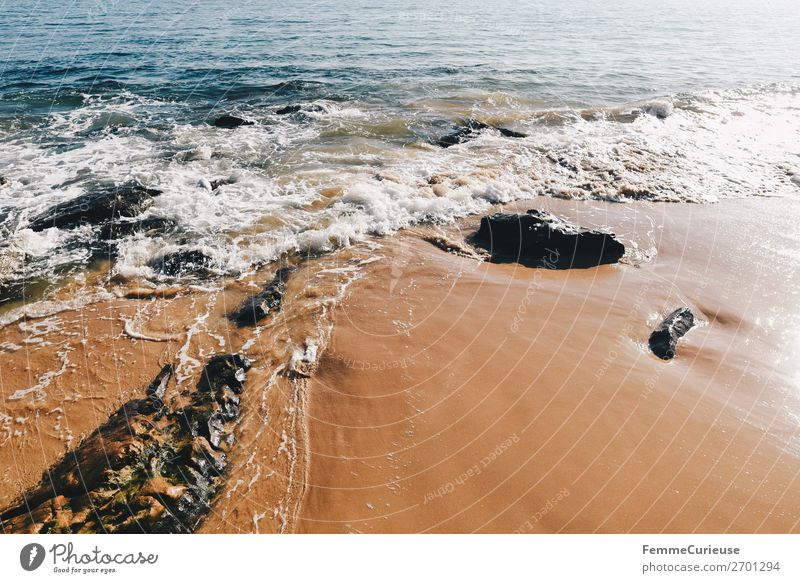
<point>464,396</point>
<point>431,391</point>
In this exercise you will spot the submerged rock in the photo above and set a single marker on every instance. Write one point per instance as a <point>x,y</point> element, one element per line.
<point>12,291</point>
<point>295,109</point>
<point>99,207</point>
<point>658,109</point>
<point>183,262</point>
<point>153,225</point>
<point>230,122</point>
<point>147,469</point>
<point>213,185</point>
<point>540,239</point>
<point>664,339</point>
<point>471,129</point>
<point>288,109</point>
<point>258,307</point>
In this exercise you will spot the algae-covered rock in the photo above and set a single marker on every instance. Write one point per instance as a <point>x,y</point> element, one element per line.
<point>147,469</point>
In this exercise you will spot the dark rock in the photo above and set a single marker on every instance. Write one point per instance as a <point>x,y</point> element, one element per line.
<point>468,131</point>
<point>183,262</point>
<point>215,184</point>
<point>229,403</point>
<point>288,109</point>
<point>299,110</point>
<point>471,129</point>
<point>102,207</point>
<point>230,122</point>
<point>144,470</point>
<point>564,163</point>
<point>540,239</point>
<point>214,430</point>
<point>3,181</point>
<point>664,339</point>
<point>506,133</point>
<point>12,291</point>
<point>221,372</point>
<point>205,458</point>
<point>155,391</point>
<point>112,212</point>
<point>258,307</point>
<point>123,228</point>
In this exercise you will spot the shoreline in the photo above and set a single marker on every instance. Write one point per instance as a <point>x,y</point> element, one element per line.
<point>347,426</point>
<point>551,371</point>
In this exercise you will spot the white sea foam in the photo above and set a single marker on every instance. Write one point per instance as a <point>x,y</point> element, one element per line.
<point>305,185</point>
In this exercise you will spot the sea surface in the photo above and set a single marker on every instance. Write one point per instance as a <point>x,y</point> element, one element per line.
<point>669,100</point>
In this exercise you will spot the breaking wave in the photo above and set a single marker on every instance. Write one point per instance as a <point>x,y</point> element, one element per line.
<point>326,173</point>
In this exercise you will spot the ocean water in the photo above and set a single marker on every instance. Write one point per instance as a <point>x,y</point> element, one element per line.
<point>669,100</point>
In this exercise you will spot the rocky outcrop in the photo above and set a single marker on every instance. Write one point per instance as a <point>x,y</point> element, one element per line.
<point>183,262</point>
<point>230,122</point>
<point>471,129</point>
<point>148,468</point>
<point>257,307</point>
<point>664,339</point>
<point>102,207</point>
<point>540,239</point>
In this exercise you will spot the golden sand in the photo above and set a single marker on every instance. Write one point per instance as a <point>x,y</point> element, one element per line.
<point>459,396</point>
<point>444,393</point>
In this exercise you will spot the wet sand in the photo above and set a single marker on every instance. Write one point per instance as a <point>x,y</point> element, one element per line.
<point>63,375</point>
<point>464,396</point>
<point>427,391</point>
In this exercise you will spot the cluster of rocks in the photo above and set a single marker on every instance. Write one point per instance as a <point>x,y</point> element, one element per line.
<point>230,121</point>
<point>95,221</point>
<point>112,209</point>
<point>148,469</point>
<point>114,212</point>
<point>540,239</point>
<point>464,131</point>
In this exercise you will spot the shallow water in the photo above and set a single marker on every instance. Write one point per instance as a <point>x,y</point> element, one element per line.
<point>670,100</point>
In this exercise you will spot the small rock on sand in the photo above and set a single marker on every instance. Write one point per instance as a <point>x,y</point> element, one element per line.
<point>664,339</point>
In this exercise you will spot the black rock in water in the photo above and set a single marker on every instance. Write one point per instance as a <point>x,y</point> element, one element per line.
<point>288,109</point>
<point>99,207</point>
<point>258,307</point>
<point>148,469</point>
<point>540,239</point>
<point>507,133</point>
<point>183,262</point>
<point>230,122</point>
<point>152,225</point>
<point>3,181</point>
<point>664,339</point>
<point>299,111</point>
<point>470,129</point>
